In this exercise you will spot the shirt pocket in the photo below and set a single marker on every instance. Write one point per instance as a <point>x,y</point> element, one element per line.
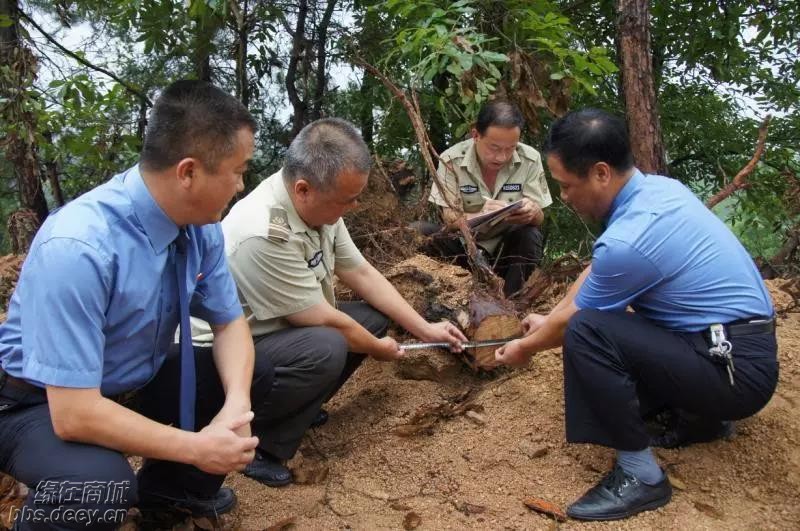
<point>472,202</point>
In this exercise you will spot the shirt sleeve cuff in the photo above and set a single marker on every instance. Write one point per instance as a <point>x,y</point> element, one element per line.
<point>220,317</point>
<point>59,376</point>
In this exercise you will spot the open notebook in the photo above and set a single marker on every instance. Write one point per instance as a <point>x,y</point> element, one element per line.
<point>484,222</point>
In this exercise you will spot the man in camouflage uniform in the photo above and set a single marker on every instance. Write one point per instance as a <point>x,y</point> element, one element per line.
<point>485,173</point>
<point>284,242</point>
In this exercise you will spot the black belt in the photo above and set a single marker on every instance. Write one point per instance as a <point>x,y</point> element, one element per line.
<point>19,384</point>
<point>752,327</point>
<point>746,327</point>
<point>27,387</point>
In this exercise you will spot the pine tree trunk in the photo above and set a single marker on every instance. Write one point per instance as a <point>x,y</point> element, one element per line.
<point>20,144</point>
<point>638,86</point>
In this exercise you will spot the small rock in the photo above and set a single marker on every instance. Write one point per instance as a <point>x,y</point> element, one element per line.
<point>411,521</point>
<point>533,451</point>
<point>676,482</point>
<point>475,417</point>
<point>470,508</point>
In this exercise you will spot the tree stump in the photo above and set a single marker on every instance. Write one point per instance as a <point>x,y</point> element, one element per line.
<point>490,318</point>
<point>443,291</point>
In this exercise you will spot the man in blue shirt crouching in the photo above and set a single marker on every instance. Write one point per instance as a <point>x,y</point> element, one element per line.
<point>701,338</point>
<point>87,372</point>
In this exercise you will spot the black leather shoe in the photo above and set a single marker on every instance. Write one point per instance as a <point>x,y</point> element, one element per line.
<point>683,429</point>
<point>620,495</point>
<point>268,470</point>
<point>320,419</point>
<point>222,502</point>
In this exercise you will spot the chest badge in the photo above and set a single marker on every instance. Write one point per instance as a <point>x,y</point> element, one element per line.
<point>512,187</point>
<point>315,260</point>
<point>468,189</point>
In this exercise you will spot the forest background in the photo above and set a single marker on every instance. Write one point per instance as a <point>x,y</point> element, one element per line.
<point>77,79</point>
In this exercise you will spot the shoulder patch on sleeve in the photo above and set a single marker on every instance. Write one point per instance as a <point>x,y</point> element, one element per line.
<point>528,152</point>
<point>453,152</point>
<point>278,229</point>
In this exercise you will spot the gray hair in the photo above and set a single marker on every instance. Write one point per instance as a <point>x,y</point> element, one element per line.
<point>323,150</point>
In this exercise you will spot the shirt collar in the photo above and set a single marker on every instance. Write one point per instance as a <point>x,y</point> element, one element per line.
<point>625,193</point>
<point>281,195</point>
<point>158,227</point>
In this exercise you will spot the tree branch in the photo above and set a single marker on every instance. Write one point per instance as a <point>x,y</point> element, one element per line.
<point>321,77</point>
<point>480,267</point>
<point>84,62</point>
<point>740,181</point>
<point>298,47</point>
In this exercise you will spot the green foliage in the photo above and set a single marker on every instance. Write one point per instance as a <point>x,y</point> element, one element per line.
<point>92,130</point>
<point>719,66</point>
<point>447,46</point>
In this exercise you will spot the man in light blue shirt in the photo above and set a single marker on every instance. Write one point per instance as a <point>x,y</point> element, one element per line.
<point>87,373</point>
<point>701,338</point>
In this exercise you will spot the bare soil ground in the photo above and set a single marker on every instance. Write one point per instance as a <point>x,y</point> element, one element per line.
<point>484,444</point>
<point>473,470</point>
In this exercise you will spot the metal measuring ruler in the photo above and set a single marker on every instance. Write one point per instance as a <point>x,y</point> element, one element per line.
<point>468,344</point>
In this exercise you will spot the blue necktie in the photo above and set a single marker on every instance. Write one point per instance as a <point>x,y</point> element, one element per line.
<point>188,377</point>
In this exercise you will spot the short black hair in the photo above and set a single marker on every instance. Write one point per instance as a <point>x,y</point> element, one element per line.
<point>499,113</point>
<point>193,119</point>
<point>583,138</point>
<point>323,150</point>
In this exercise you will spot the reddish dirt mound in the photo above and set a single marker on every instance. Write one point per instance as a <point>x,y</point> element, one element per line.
<point>10,265</point>
<point>474,466</point>
<point>468,451</point>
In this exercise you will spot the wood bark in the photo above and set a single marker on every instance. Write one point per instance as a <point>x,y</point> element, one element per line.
<point>52,175</point>
<point>201,53</point>
<point>321,76</point>
<point>740,180</point>
<point>241,30</point>
<point>19,144</point>
<point>12,497</point>
<point>366,120</point>
<point>299,105</point>
<point>490,318</point>
<point>638,85</point>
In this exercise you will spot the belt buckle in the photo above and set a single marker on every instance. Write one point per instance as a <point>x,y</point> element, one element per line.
<point>717,332</point>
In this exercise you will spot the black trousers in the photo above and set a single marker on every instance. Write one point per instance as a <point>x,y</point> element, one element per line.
<point>83,486</point>
<point>311,364</point>
<point>521,251</point>
<point>618,367</point>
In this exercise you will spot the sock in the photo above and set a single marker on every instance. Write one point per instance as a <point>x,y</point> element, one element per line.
<point>642,465</point>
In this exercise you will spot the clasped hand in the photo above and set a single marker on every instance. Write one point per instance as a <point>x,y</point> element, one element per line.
<point>225,445</point>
